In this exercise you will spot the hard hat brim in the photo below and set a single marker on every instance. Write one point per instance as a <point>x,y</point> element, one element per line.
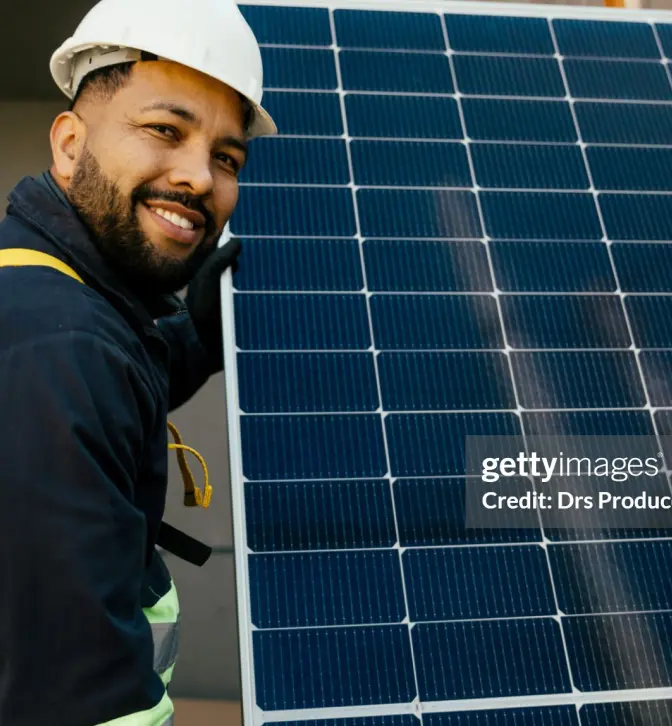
<point>61,63</point>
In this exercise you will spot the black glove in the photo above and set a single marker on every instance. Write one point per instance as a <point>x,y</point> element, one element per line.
<point>204,296</point>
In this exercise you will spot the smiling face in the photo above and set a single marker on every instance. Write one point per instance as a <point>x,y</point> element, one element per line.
<point>153,171</point>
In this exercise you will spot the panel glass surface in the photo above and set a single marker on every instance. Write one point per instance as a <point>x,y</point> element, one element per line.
<point>464,228</point>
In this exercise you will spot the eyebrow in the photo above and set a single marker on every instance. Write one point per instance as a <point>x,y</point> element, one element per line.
<point>190,117</point>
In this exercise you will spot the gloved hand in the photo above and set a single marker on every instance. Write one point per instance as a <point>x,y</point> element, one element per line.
<point>203,299</point>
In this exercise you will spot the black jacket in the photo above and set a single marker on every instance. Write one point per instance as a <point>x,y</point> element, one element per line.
<point>87,379</point>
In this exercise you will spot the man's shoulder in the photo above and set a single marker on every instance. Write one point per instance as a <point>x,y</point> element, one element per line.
<point>40,301</point>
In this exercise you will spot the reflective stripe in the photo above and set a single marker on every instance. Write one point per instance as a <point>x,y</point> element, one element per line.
<point>160,715</point>
<point>164,618</point>
<point>166,642</point>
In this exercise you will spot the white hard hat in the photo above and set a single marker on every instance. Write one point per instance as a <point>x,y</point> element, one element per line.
<point>210,36</point>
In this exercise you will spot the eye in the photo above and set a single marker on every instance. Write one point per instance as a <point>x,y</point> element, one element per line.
<point>228,160</point>
<point>167,131</point>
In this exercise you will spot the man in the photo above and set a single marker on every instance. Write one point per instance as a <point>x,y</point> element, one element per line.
<point>96,349</point>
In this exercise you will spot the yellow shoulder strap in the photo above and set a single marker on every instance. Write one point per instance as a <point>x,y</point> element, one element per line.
<point>16,257</point>
<point>20,258</point>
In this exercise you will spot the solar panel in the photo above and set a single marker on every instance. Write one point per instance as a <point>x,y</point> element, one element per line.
<point>464,228</point>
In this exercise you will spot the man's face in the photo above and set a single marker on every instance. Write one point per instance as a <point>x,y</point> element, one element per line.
<point>169,143</point>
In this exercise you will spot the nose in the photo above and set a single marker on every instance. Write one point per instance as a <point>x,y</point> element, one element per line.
<point>192,170</point>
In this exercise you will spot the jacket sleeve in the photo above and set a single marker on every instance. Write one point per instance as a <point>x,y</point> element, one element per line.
<point>190,367</point>
<point>73,638</point>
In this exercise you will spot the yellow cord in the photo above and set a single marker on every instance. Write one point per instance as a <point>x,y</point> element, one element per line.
<point>192,494</point>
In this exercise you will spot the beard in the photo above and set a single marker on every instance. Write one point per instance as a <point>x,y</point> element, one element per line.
<point>112,219</point>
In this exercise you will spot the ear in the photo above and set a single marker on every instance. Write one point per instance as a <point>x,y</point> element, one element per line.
<point>67,137</point>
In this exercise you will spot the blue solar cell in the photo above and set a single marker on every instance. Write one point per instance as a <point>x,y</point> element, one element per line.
<point>664,422</point>
<point>288,25</point>
<point>657,369</point>
<point>297,161</point>
<point>406,720</point>
<point>300,264</point>
<point>426,322</point>
<point>477,582</point>
<point>597,647</point>
<point>637,216</point>
<point>635,80</point>
<point>604,39</point>
<point>333,667</point>
<point>318,515</point>
<point>498,34</point>
<point>410,72</point>
<point>445,381</point>
<point>426,266</point>
<point>630,169</point>
<point>553,321</point>
<point>550,716</point>
<point>306,382</point>
<point>313,114</point>
<point>643,267</point>
<point>497,658</point>
<point>401,30</point>
<point>295,211</point>
<point>624,576</point>
<point>301,322</point>
<point>418,213</point>
<point>664,428</point>
<point>552,266</point>
<point>433,444</point>
<point>312,447</point>
<point>625,123</point>
<point>410,163</point>
<point>650,320</point>
<point>578,380</point>
<point>330,588</point>
<point>651,713</point>
<point>540,215</point>
<point>505,76</point>
<point>433,512</point>
<point>541,166</point>
<point>299,68</point>
<point>665,34</point>
<point>505,120</point>
<point>589,423</point>
<point>402,117</point>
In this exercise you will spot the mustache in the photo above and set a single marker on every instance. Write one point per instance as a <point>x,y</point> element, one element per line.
<point>144,194</point>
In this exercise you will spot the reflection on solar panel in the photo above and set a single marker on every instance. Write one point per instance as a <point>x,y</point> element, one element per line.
<point>465,227</point>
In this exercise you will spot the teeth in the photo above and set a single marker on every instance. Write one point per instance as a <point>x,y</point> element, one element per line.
<point>174,218</point>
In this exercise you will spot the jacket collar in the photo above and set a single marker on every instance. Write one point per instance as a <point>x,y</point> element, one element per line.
<point>36,205</point>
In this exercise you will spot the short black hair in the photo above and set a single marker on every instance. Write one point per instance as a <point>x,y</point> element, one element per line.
<point>103,83</point>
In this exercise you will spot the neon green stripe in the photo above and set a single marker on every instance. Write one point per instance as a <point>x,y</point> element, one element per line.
<point>166,609</point>
<point>156,716</point>
<point>167,675</point>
